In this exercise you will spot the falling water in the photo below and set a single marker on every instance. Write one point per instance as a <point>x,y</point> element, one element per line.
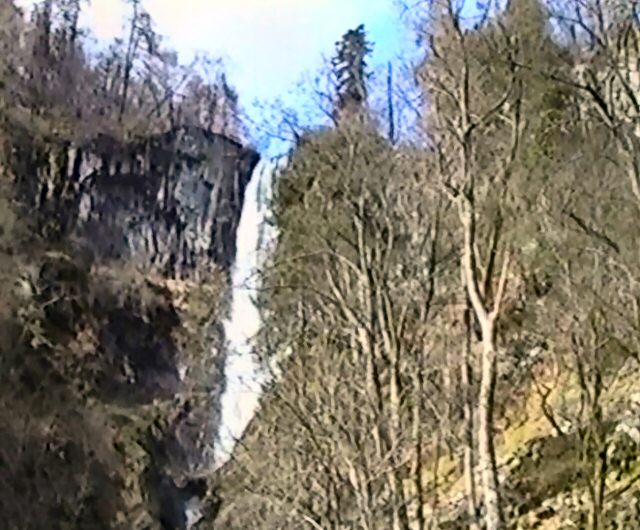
<point>243,375</point>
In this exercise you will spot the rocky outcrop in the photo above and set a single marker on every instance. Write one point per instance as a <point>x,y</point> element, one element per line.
<point>170,203</point>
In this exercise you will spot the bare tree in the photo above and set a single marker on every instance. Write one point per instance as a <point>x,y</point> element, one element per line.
<point>464,109</point>
<point>358,376</point>
<point>607,45</point>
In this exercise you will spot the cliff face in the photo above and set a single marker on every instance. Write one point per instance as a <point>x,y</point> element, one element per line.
<point>172,203</point>
<point>169,204</point>
<point>123,310</point>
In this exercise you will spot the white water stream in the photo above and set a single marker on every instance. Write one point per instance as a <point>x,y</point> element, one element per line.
<point>243,376</point>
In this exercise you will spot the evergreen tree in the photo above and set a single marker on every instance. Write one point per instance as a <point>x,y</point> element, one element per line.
<point>350,71</point>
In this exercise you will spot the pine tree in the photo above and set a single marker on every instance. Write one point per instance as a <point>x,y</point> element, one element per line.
<point>350,71</point>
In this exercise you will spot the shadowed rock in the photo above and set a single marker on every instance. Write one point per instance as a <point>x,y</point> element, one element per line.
<point>172,203</point>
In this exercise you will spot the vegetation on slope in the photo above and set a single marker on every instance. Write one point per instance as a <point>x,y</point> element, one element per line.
<point>452,320</point>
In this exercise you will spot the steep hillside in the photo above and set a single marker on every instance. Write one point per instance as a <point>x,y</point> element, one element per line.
<point>116,249</point>
<point>113,328</point>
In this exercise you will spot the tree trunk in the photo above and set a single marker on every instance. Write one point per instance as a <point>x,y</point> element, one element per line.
<point>417,428</point>
<point>390,109</point>
<point>599,457</point>
<point>469,457</point>
<point>132,50</point>
<point>45,28</point>
<point>493,516</point>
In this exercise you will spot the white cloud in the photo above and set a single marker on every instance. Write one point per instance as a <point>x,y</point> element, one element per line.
<point>269,42</point>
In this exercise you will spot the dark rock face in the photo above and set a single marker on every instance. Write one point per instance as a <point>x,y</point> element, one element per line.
<point>172,204</point>
<point>140,225</point>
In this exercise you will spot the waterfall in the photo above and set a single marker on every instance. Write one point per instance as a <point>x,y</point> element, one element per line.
<point>243,376</point>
